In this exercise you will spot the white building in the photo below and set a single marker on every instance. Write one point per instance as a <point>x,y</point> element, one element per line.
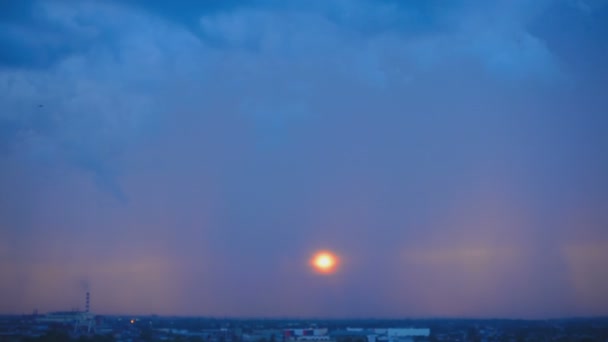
<point>406,334</point>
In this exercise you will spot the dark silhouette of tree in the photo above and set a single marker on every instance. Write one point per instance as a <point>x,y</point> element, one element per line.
<point>473,335</point>
<point>146,335</point>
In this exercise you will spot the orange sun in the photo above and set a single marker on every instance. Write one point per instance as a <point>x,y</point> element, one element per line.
<point>324,262</point>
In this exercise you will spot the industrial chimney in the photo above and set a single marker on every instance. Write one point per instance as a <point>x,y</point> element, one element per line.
<point>87,303</point>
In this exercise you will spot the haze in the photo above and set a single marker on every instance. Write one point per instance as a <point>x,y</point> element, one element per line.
<point>188,157</point>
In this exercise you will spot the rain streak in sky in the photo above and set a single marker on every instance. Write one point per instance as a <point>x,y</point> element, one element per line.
<point>191,157</point>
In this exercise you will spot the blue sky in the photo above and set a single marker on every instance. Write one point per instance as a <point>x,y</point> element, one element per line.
<point>188,157</point>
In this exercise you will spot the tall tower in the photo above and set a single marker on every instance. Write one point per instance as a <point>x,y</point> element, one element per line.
<point>85,321</point>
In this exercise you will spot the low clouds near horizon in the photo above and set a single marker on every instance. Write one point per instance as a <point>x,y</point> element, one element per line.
<point>187,158</point>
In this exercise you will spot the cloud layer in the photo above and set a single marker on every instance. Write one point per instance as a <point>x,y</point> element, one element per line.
<point>188,159</point>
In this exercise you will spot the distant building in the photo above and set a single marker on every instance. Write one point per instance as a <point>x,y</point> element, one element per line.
<point>350,334</point>
<point>381,335</point>
<point>263,335</point>
<point>313,338</point>
<point>406,334</point>
<point>317,334</point>
<point>80,321</point>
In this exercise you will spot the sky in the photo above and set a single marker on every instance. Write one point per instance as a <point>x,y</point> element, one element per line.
<point>189,157</point>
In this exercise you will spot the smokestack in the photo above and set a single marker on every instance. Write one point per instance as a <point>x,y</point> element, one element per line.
<point>87,304</point>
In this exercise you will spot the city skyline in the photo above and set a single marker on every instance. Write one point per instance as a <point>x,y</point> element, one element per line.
<point>191,157</point>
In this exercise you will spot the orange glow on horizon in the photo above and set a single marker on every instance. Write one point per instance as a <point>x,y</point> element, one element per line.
<point>324,262</point>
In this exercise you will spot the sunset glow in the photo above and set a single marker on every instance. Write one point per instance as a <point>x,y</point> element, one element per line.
<point>311,160</point>
<point>324,262</point>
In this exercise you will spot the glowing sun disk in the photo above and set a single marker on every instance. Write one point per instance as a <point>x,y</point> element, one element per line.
<point>324,262</point>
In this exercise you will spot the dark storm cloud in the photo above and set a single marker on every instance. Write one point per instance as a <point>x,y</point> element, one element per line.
<point>187,12</point>
<point>31,37</point>
<point>574,31</point>
<point>453,156</point>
